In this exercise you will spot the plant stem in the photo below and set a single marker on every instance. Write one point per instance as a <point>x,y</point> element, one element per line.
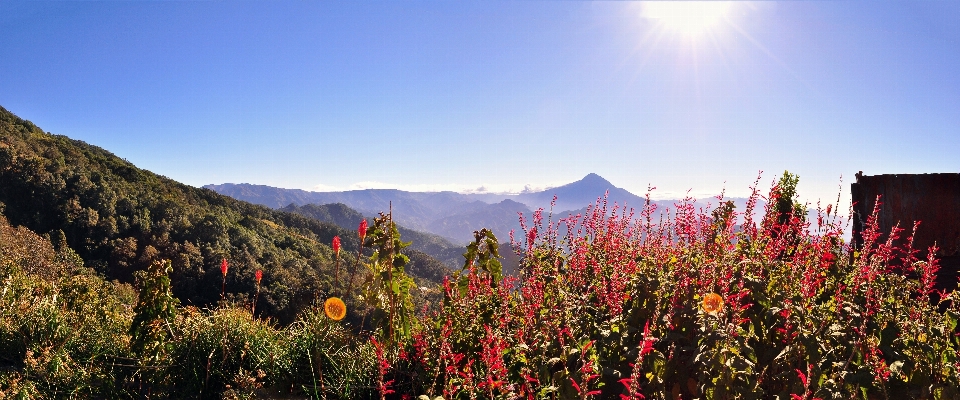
<point>253,309</point>
<point>336,271</point>
<point>390,275</point>
<point>355,266</point>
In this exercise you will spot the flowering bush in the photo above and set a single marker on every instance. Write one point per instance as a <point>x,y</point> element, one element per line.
<point>693,306</point>
<point>703,303</point>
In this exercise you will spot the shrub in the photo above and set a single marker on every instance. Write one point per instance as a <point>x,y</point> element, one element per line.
<point>63,330</point>
<point>65,337</point>
<point>223,350</point>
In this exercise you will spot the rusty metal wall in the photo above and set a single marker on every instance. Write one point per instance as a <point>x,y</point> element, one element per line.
<point>932,199</point>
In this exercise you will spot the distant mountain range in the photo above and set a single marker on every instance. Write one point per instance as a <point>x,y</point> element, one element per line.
<point>451,215</point>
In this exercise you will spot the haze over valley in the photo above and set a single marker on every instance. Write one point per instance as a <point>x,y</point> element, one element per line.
<point>455,216</point>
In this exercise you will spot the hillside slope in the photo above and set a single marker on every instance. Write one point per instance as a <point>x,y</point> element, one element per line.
<point>120,218</point>
<point>345,217</point>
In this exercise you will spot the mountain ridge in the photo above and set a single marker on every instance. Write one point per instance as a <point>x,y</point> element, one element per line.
<point>455,215</point>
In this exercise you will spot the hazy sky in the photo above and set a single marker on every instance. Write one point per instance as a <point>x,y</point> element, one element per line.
<point>501,94</point>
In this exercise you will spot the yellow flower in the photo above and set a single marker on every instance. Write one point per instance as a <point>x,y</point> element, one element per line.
<point>334,308</point>
<point>712,303</point>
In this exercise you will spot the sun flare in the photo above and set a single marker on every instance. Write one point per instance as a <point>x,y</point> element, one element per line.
<point>690,18</point>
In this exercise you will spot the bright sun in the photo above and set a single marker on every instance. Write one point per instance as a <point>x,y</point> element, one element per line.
<point>690,18</point>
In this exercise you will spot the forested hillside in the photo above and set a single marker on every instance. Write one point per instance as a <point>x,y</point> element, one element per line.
<point>119,219</point>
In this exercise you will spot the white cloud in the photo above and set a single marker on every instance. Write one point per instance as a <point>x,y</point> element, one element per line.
<point>325,188</point>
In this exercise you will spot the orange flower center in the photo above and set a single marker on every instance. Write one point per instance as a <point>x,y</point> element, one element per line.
<point>712,303</point>
<point>334,308</point>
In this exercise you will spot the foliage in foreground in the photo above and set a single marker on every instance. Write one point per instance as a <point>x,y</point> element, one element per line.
<point>693,306</point>
<point>67,333</point>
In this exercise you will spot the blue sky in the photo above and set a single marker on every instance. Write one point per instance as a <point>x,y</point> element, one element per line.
<point>500,94</point>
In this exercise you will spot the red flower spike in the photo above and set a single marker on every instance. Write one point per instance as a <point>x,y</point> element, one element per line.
<point>647,342</point>
<point>803,378</point>
<point>362,230</point>
<point>575,385</point>
<point>336,245</point>
<point>259,276</point>
<point>587,346</point>
<point>224,266</point>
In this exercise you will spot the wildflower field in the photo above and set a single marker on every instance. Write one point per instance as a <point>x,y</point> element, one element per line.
<point>618,303</point>
<point>694,306</point>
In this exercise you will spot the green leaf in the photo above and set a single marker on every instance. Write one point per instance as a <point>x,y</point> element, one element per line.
<point>951,318</point>
<point>896,367</point>
<point>547,390</point>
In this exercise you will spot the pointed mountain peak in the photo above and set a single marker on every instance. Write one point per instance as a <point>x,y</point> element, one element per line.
<point>579,194</point>
<point>592,183</point>
<point>595,179</point>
